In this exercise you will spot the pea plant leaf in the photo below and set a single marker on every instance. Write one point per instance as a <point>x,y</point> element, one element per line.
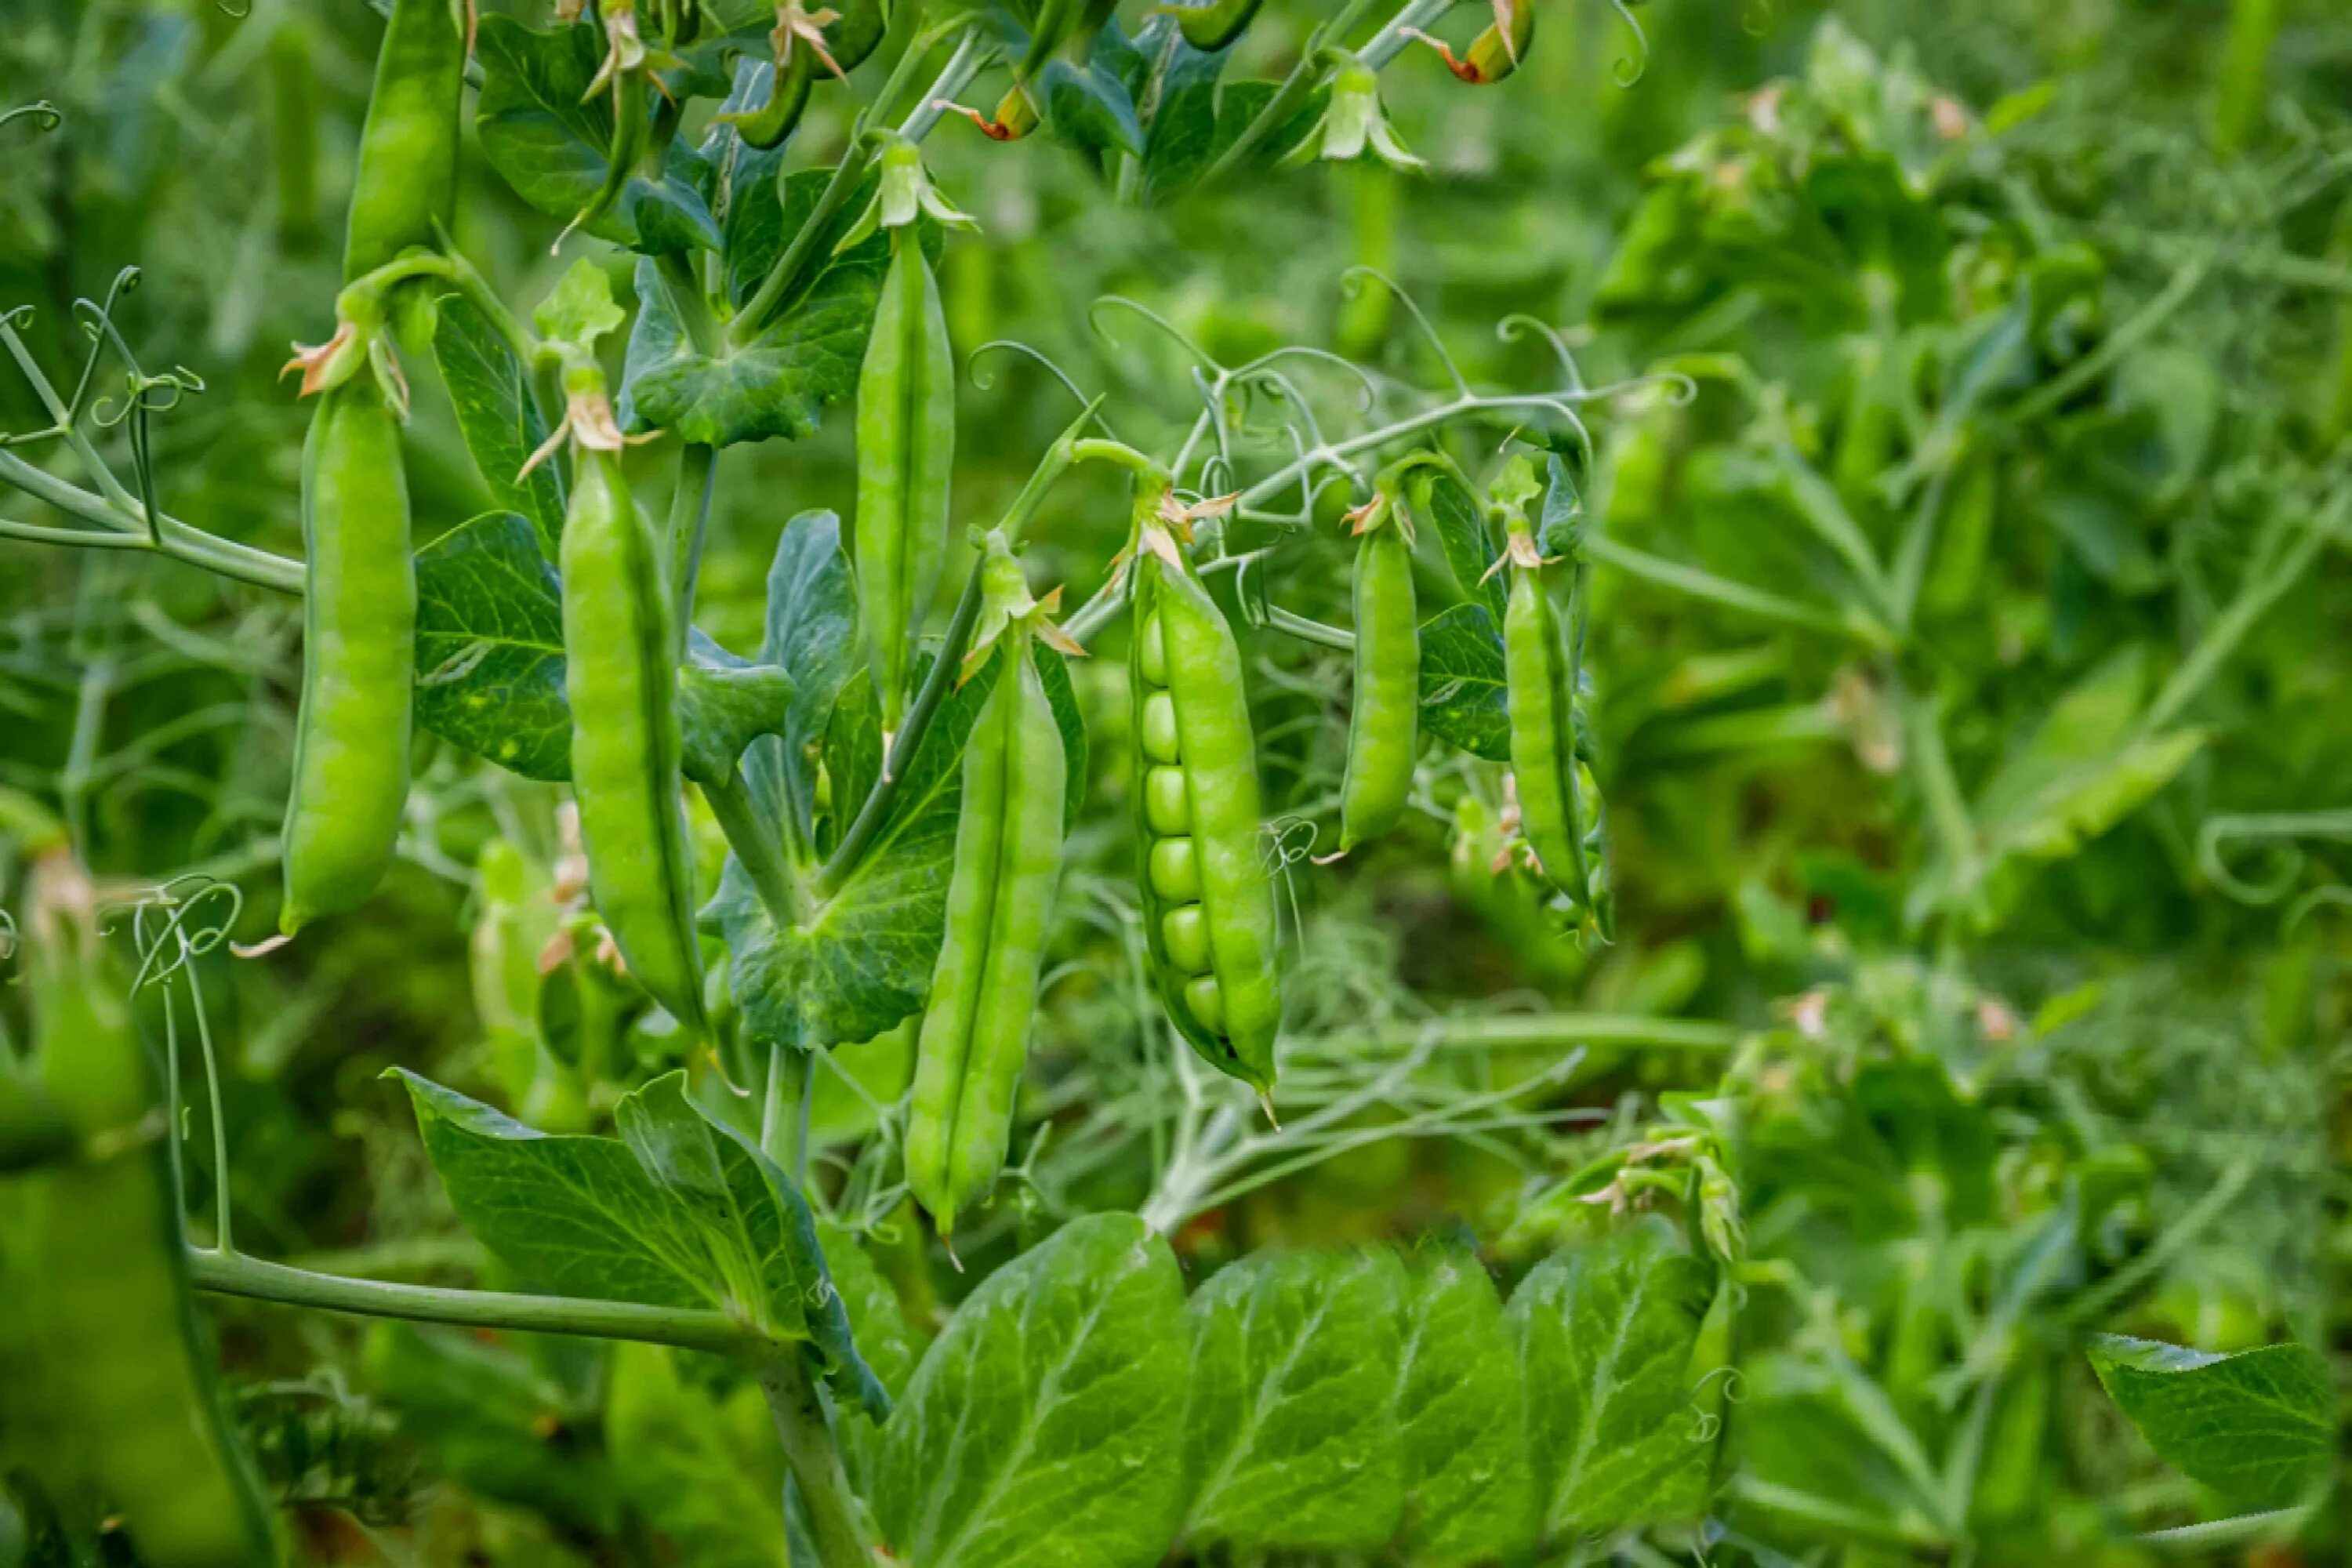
<point>724,702</point>
<point>1469,1491</point>
<point>1239,104</point>
<point>808,355</point>
<point>1291,1439</point>
<point>498,416</point>
<point>812,636</point>
<point>550,138</point>
<point>2259,1427</point>
<point>489,646</point>
<point>1042,1428</point>
<point>677,1210</point>
<point>1089,110</point>
<point>864,960</point>
<point>702,1463</point>
<point>1605,1334</point>
<point>1464,701</point>
<point>1177,98</point>
<point>1463,535</point>
<point>879,1321</point>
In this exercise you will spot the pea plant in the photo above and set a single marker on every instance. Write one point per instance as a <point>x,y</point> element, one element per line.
<point>761,938</point>
<point>892,809</point>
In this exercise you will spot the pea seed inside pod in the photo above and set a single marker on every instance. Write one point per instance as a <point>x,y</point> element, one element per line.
<point>1154,656</point>
<point>1207,1001</point>
<point>1159,728</point>
<point>1176,870</point>
<point>1186,932</point>
<point>1165,805</point>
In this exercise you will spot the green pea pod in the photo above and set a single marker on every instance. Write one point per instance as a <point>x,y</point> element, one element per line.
<point>406,182</point>
<point>359,656</point>
<point>1008,858</point>
<point>1210,27</point>
<point>625,747</point>
<point>106,1383</point>
<point>1542,712</point>
<point>859,30</point>
<point>905,450</point>
<point>1208,898</point>
<point>767,126</point>
<point>1385,718</point>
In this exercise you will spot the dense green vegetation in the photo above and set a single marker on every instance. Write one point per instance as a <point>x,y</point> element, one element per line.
<point>1915,1132</point>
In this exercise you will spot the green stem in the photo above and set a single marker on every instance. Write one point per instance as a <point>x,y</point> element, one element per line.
<point>1306,630</point>
<point>756,848</point>
<point>1701,584</point>
<point>1314,63</point>
<point>1524,1031</point>
<point>847,176</point>
<point>2253,28</point>
<point>128,530</point>
<point>687,1327</point>
<point>689,520</point>
<point>846,1537</point>
<point>2253,601</point>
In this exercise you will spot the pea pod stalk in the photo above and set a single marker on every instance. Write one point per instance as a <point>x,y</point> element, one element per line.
<point>1008,859</point>
<point>626,751</point>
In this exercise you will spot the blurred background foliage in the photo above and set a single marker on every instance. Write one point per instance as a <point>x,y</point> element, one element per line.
<point>1970,686</point>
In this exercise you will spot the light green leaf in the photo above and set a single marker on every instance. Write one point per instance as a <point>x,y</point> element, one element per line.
<point>1291,1438</point>
<point>580,308</point>
<point>489,646</point>
<point>701,1464</point>
<point>1469,1494</point>
<point>1463,696</point>
<point>2259,1427</point>
<point>1042,1429</point>
<point>1605,1334</point>
<point>498,416</point>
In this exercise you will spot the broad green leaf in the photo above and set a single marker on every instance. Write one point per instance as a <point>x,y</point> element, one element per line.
<point>1468,541</point>
<point>1469,1493</point>
<point>492,1419</point>
<point>1605,1334</point>
<point>808,355</point>
<point>853,753</point>
<point>812,636</point>
<point>1291,1438</point>
<point>2258,1426</point>
<point>679,1211</point>
<point>1179,105</point>
<point>580,309</point>
<point>498,416</point>
<point>1042,1429</point>
<point>489,646</point>
<point>1088,108</point>
<point>1464,700</point>
<point>879,1321</point>
<point>701,1465</point>
<point>549,137</point>
<point>724,704</point>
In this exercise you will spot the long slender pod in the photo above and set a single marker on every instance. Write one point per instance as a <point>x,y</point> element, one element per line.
<point>905,453</point>
<point>626,753</point>
<point>359,623</point>
<point>1384,713</point>
<point>406,182</point>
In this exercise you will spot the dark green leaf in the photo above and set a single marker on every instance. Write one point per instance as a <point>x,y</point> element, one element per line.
<point>489,646</point>
<point>499,416</point>
<point>1463,700</point>
<point>1291,1438</point>
<point>1465,535</point>
<point>1042,1429</point>
<point>1054,675</point>
<point>724,704</point>
<point>1088,108</point>
<point>679,1211</point>
<point>1239,105</point>
<point>812,636</point>
<point>1178,104</point>
<point>1605,1334</point>
<point>2259,1427</point>
<point>549,137</point>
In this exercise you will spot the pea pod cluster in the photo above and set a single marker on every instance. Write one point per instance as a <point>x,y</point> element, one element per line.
<point>620,674</point>
<point>359,626</point>
<point>906,456</point>
<point>1384,715</point>
<point>1559,806</point>
<point>1008,860</point>
<point>1208,898</point>
<point>107,1392</point>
